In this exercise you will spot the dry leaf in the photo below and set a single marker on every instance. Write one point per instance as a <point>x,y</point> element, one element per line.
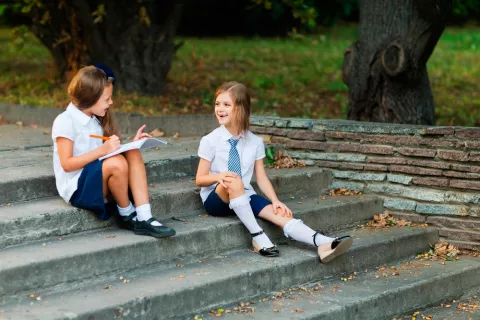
<point>157,133</point>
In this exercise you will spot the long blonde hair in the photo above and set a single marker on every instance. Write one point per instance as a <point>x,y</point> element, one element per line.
<point>241,101</point>
<point>86,88</point>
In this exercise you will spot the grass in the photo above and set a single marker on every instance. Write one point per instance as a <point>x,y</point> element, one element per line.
<point>291,77</point>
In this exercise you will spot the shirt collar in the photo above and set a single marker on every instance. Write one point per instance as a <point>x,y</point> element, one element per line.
<point>78,115</point>
<point>225,134</point>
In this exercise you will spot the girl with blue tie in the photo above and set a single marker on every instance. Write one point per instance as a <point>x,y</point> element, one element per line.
<point>229,156</point>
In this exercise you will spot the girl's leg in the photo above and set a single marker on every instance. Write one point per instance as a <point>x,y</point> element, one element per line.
<point>115,179</point>
<point>296,229</point>
<point>234,194</point>
<point>328,248</point>
<point>137,180</point>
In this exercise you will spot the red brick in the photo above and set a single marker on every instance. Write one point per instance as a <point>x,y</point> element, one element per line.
<point>259,130</point>
<point>465,184</point>
<point>277,131</point>
<point>439,131</point>
<point>386,160</point>
<point>452,155</point>
<point>281,140</point>
<point>415,152</point>
<point>349,147</point>
<point>312,145</point>
<point>468,144</point>
<point>468,133</point>
<point>429,164</point>
<point>474,156</point>
<point>466,168</point>
<point>375,167</point>
<point>408,140</point>
<point>328,164</point>
<point>343,135</point>
<point>456,174</point>
<point>415,170</point>
<point>434,182</point>
<point>376,149</point>
<point>306,135</point>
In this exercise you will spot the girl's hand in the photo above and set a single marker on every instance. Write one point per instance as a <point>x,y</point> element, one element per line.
<point>226,176</point>
<point>279,207</point>
<point>140,134</point>
<point>111,145</point>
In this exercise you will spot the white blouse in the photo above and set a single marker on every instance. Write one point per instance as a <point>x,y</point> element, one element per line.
<point>74,125</point>
<point>215,148</point>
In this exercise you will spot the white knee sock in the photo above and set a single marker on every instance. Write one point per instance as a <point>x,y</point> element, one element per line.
<point>242,208</point>
<point>297,230</point>
<point>125,212</point>
<point>144,212</point>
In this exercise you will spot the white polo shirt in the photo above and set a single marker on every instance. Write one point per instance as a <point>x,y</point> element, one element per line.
<point>215,148</point>
<point>75,125</point>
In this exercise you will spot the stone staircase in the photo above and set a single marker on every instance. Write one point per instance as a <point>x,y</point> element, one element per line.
<point>59,262</point>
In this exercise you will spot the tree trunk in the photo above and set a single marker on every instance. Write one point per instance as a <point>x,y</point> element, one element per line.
<point>134,38</point>
<point>385,69</point>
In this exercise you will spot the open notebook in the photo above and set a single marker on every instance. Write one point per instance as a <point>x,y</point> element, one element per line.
<point>139,144</point>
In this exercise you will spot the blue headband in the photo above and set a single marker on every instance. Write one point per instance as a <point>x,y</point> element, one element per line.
<point>108,72</point>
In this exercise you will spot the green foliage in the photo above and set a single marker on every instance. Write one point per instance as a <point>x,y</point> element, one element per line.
<point>287,77</point>
<point>99,14</point>
<point>465,9</point>
<point>303,10</point>
<point>270,156</point>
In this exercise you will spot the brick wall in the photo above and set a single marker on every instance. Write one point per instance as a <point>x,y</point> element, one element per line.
<point>423,173</point>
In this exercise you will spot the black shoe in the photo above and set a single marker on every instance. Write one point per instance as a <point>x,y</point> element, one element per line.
<point>128,222</point>
<point>146,228</point>
<point>266,252</point>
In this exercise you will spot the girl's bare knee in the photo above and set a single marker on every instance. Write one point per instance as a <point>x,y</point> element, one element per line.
<point>133,153</point>
<point>115,164</point>
<point>235,186</point>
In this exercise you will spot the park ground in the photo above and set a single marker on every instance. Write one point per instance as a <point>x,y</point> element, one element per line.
<point>296,76</point>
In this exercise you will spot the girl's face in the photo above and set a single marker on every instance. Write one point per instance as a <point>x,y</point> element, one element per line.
<point>101,106</point>
<point>225,110</point>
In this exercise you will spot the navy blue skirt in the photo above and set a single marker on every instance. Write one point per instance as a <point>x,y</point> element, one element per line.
<point>215,206</point>
<point>89,193</point>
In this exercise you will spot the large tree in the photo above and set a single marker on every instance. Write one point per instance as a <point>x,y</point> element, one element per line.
<point>385,69</point>
<point>134,38</point>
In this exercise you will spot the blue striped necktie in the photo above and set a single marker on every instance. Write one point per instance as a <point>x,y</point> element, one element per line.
<point>234,158</point>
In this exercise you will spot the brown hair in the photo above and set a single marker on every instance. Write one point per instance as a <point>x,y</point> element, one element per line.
<point>86,88</point>
<point>241,101</point>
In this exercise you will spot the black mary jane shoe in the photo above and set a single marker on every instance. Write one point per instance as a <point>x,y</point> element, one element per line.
<point>339,246</point>
<point>128,222</point>
<point>266,252</point>
<point>146,228</point>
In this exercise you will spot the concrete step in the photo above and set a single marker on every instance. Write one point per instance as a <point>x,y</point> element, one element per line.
<point>178,291</point>
<point>29,174</point>
<point>52,217</point>
<point>90,256</point>
<point>465,307</point>
<point>418,284</point>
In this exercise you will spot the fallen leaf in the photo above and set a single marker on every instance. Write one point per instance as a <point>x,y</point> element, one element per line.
<point>157,133</point>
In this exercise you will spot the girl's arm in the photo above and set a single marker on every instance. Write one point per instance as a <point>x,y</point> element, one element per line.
<point>266,186</point>
<point>205,179</point>
<point>70,163</point>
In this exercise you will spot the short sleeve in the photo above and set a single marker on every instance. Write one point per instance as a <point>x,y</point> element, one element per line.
<point>206,150</point>
<point>260,150</point>
<point>63,127</point>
